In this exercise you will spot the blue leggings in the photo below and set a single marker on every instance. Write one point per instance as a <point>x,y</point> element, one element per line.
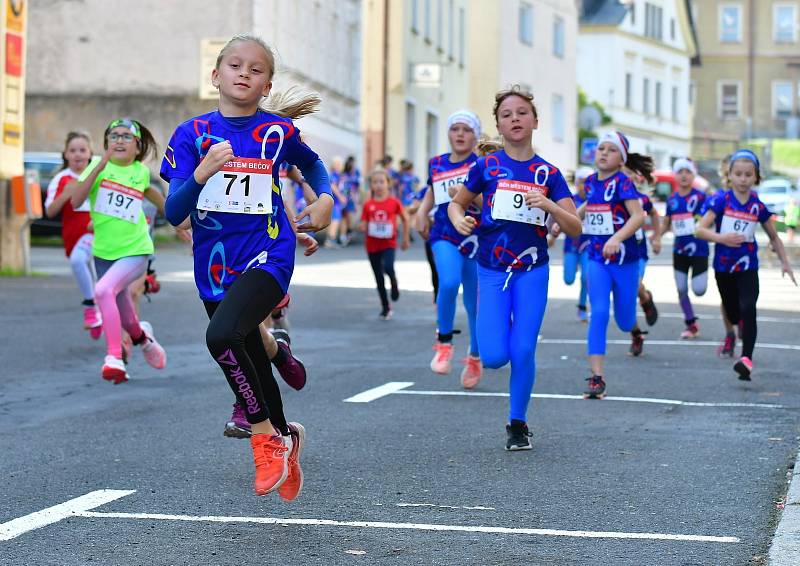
<point>623,280</point>
<point>456,269</point>
<point>510,312</point>
<point>571,262</point>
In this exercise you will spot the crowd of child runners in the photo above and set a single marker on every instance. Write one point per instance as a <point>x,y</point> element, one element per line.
<point>245,189</point>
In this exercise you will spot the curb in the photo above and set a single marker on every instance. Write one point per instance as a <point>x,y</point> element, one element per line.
<point>785,547</point>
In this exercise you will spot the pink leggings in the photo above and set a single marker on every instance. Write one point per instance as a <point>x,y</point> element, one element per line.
<point>112,296</point>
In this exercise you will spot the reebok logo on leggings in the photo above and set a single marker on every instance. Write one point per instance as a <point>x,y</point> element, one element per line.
<point>238,376</point>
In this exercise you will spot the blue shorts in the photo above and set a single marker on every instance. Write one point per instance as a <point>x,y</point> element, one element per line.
<point>337,211</point>
<point>642,267</point>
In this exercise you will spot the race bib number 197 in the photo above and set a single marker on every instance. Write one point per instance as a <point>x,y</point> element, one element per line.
<point>509,203</point>
<point>242,186</point>
<point>119,201</point>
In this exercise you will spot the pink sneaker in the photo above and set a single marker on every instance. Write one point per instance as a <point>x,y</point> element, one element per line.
<point>471,374</point>
<point>237,426</point>
<point>442,359</point>
<point>691,332</point>
<point>744,367</point>
<point>114,370</point>
<point>93,322</point>
<point>154,354</point>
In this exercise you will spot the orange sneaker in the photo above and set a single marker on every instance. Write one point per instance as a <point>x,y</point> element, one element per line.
<point>293,485</point>
<point>442,359</point>
<point>270,454</point>
<point>471,374</point>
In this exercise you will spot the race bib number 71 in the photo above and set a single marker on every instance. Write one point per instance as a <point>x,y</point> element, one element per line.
<point>242,186</point>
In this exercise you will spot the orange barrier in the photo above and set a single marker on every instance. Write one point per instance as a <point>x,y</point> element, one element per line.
<point>18,188</point>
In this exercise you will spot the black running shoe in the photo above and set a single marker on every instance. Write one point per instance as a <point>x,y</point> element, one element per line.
<point>744,367</point>
<point>386,314</point>
<point>395,292</point>
<point>650,310</point>
<point>596,388</point>
<point>637,343</point>
<point>518,435</point>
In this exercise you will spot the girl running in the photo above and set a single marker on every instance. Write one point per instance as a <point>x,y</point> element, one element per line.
<point>454,254</point>
<point>520,190</point>
<point>379,223</point>
<point>223,170</point>
<point>337,186</point>
<point>576,250</point>
<point>730,222</point>
<point>689,253</point>
<point>728,346</point>
<point>116,185</point>
<point>612,214</point>
<point>645,296</point>
<point>75,233</point>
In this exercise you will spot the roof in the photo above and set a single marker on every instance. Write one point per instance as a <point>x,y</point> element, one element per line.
<point>603,12</point>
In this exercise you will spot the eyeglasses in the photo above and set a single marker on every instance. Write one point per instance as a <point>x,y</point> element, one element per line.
<point>114,137</point>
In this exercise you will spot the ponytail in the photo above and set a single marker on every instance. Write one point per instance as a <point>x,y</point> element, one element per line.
<point>641,164</point>
<point>145,141</point>
<point>293,103</point>
<point>488,146</point>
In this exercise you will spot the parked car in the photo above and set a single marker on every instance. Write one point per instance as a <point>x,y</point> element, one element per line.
<point>666,184</point>
<point>776,193</point>
<point>47,165</point>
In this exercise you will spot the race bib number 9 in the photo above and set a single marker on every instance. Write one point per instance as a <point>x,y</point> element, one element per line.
<point>740,223</point>
<point>683,224</point>
<point>242,186</point>
<point>380,230</point>
<point>598,221</point>
<point>509,203</point>
<point>443,182</point>
<point>119,201</point>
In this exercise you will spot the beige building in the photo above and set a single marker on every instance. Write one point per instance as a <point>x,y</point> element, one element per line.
<point>94,60</point>
<point>747,80</point>
<point>445,55</point>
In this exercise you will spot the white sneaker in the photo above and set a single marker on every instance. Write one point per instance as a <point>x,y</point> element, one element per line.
<point>114,370</point>
<point>154,354</point>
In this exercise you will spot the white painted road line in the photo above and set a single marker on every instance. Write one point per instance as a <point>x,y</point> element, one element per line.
<point>411,526</point>
<point>654,401</point>
<point>783,319</point>
<point>15,527</point>
<point>378,392</point>
<point>467,507</point>
<point>695,343</point>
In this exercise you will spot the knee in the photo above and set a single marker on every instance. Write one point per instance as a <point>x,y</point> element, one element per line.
<point>493,355</point>
<point>103,291</point>
<point>569,277</point>
<point>448,283</point>
<point>220,337</point>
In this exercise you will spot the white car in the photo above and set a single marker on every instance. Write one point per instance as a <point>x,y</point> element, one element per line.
<point>776,193</point>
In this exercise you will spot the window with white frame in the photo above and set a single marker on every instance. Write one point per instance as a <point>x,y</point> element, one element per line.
<point>729,100</point>
<point>461,32</point>
<point>427,17</point>
<point>432,134</point>
<point>628,91</point>
<point>646,96</point>
<point>653,21</point>
<point>440,24</point>
<point>658,99</point>
<point>558,117</point>
<point>558,37</point>
<point>730,23</point>
<point>784,23</point>
<point>782,99</point>
<point>526,23</point>
<point>414,15</point>
<point>411,129</point>
<point>675,100</point>
<point>451,19</point>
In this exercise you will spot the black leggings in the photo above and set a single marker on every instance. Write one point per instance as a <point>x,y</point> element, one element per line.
<point>383,264</point>
<point>235,342</point>
<point>434,273</point>
<point>739,292</point>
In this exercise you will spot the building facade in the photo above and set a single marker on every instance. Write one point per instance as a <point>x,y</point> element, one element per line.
<point>474,49</point>
<point>747,81</point>
<point>634,58</point>
<point>152,65</point>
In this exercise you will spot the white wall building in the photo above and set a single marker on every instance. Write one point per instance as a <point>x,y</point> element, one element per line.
<point>634,58</point>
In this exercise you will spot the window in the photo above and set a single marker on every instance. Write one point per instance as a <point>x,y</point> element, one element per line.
<point>558,117</point>
<point>414,15</point>
<point>439,25</point>
<point>646,96</point>
<point>461,36</point>
<point>653,21</point>
<point>432,138</point>
<point>411,129</point>
<point>784,23</point>
<point>658,99</point>
<point>526,23</point>
<point>450,29</point>
<point>558,37</point>
<point>782,95</point>
<point>427,16</point>
<point>675,104</point>
<point>628,91</point>
<point>730,23</point>
<point>672,29</point>
<point>633,13</point>
<point>728,100</point>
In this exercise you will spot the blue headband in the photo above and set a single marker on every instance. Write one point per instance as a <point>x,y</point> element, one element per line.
<point>745,154</point>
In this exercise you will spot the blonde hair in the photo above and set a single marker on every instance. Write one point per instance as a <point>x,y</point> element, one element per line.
<point>488,146</point>
<point>243,37</point>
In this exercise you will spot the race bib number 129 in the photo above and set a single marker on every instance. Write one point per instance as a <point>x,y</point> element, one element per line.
<point>597,220</point>
<point>242,186</point>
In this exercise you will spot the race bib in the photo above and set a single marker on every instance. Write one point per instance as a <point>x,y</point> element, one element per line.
<point>443,182</point>
<point>740,223</point>
<point>380,230</point>
<point>683,224</point>
<point>242,186</point>
<point>509,203</point>
<point>598,221</point>
<point>119,201</point>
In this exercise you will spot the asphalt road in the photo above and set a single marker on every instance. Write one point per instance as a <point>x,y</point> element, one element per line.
<point>418,476</point>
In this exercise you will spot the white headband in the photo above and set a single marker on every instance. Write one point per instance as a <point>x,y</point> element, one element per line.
<point>684,163</point>
<point>617,140</point>
<point>467,118</point>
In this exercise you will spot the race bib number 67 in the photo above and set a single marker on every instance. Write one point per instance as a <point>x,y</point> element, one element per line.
<point>740,223</point>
